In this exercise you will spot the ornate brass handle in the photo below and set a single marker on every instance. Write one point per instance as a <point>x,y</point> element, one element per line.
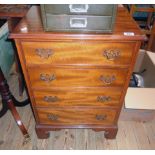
<point>107,79</point>
<point>111,54</point>
<point>50,98</point>
<point>47,77</point>
<point>103,98</point>
<point>44,53</point>
<point>52,117</point>
<point>101,117</point>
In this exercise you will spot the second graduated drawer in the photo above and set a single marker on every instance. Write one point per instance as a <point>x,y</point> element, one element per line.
<point>78,53</point>
<point>48,77</point>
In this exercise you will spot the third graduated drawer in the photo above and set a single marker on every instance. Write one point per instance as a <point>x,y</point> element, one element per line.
<point>78,53</point>
<point>89,96</point>
<point>47,77</point>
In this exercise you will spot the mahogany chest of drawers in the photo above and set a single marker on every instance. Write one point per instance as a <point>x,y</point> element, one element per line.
<point>77,80</point>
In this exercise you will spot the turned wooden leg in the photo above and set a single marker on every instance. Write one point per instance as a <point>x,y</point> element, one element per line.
<point>111,133</point>
<point>8,103</point>
<point>42,134</point>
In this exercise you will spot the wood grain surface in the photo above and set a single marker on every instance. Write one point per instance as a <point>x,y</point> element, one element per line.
<point>76,116</point>
<point>102,97</point>
<point>48,77</point>
<point>78,53</point>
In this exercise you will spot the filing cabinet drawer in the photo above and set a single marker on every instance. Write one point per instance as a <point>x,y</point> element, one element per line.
<point>83,9</point>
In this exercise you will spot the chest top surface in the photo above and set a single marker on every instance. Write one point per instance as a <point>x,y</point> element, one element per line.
<point>31,27</point>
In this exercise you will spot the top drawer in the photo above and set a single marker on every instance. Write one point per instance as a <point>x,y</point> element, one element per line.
<point>78,53</point>
<point>79,9</point>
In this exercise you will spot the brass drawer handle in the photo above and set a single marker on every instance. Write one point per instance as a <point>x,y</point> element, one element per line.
<point>50,98</point>
<point>111,54</point>
<point>107,79</point>
<point>52,117</point>
<point>44,53</point>
<point>103,98</point>
<point>101,117</point>
<point>47,77</point>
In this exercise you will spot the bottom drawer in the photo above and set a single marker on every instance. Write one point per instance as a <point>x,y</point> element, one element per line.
<point>78,23</point>
<point>76,116</point>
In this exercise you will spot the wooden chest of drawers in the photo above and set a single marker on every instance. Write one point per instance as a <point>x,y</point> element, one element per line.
<point>77,80</point>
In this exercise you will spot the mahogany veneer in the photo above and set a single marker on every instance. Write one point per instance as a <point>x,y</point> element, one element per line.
<point>49,77</point>
<point>77,80</point>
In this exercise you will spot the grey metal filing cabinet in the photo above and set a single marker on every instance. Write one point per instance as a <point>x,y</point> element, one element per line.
<point>85,18</point>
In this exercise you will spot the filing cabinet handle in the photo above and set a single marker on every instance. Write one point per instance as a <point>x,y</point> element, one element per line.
<point>50,98</point>
<point>47,77</point>
<point>108,79</point>
<point>103,98</point>
<point>100,117</point>
<point>78,22</point>
<point>78,8</point>
<point>52,117</point>
<point>111,54</point>
<point>44,53</point>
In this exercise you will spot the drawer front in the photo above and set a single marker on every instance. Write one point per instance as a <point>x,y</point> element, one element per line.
<point>78,53</point>
<point>76,116</point>
<point>59,77</point>
<point>104,97</point>
<point>78,23</point>
<point>83,9</point>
